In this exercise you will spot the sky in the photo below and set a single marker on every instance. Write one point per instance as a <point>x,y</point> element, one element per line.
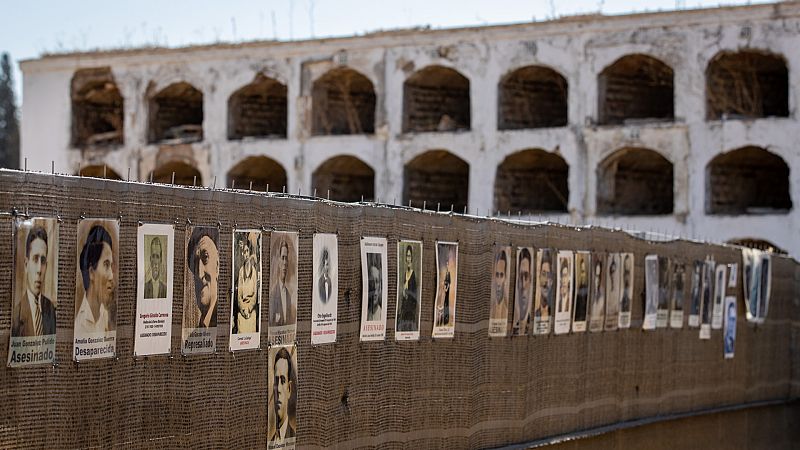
<point>34,27</point>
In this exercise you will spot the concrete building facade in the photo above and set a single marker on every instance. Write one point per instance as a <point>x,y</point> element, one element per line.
<point>680,122</point>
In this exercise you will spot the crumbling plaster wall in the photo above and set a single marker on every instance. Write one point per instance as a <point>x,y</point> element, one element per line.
<point>579,49</point>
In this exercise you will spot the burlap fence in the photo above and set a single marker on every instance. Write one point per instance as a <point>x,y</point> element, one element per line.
<point>467,392</point>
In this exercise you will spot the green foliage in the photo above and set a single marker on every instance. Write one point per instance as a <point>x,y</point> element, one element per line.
<point>9,123</point>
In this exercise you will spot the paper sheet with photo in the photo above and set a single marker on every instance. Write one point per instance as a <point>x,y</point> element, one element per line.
<point>444,309</point>
<point>34,292</point>
<point>729,332</point>
<point>545,290</point>
<point>325,288</point>
<point>409,291</point>
<point>201,290</point>
<point>282,376</point>
<point>664,292</point>
<point>626,303</point>
<point>96,280</point>
<point>583,287</point>
<point>720,282</point>
<point>613,291</point>
<point>246,306</point>
<point>597,305</point>
<point>696,294</point>
<point>283,260</point>
<point>155,244</point>
<point>707,299</point>
<point>374,292</point>
<point>564,295</point>
<point>757,283</point>
<point>499,296</point>
<point>651,292</point>
<point>678,293</point>
<point>523,292</point>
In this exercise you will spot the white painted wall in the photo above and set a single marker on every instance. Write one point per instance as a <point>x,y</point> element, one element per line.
<point>578,48</point>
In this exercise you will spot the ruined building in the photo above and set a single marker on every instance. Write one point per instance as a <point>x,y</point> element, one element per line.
<point>680,122</point>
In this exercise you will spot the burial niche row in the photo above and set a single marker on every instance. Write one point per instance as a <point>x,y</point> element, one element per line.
<point>635,181</point>
<point>748,180</point>
<point>97,109</point>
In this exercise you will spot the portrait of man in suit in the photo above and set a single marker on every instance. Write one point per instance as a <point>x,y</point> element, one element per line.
<point>283,396</point>
<point>155,286</point>
<point>33,314</point>
<point>282,309</point>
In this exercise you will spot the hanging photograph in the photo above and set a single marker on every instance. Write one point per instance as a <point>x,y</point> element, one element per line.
<point>626,303</point>
<point>583,264</point>
<point>764,285</point>
<point>676,305</point>
<point>498,298</point>
<point>282,404</point>
<point>409,291</point>
<point>245,327</point>
<point>374,295</point>
<point>697,292</point>
<point>523,292</point>
<point>613,291</point>
<point>729,333</point>
<point>325,288</point>
<point>154,281</point>
<point>664,291</point>
<point>720,281</point>
<point>706,299</point>
<point>201,290</point>
<point>444,310</point>
<point>564,297</point>
<point>597,305</point>
<point>34,292</point>
<point>283,250</point>
<point>545,292</point>
<point>96,280</point>
<point>733,275</point>
<point>651,292</point>
<point>748,278</point>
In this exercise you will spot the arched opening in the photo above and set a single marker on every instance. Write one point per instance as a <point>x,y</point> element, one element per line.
<point>635,87</point>
<point>759,244</point>
<point>97,109</point>
<point>747,84</point>
<point>347,178</point>
<point>185,175</point>
<point>343,102</point>
<point>98,171</point>
<point>259,170</point>
<point>176,115</point>
<point>258,110</point>
<point>635,181</point>
<point>436,98</point>
<point>532,97</point>
<point>436,177</point>
<point>748,180</point>
<point>532,181</point>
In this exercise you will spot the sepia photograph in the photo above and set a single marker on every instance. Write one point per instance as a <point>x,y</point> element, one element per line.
<point>626,302</point>
<point>676,303</point>
<point>664,292</point>
<point>729,332</point>
<point>325,288</point>
<point>201,290</point>
<point>706,299</point>
<point>597,305</point>
<point>697,292</point>
<point>154,263</point>
<point>283,250</point>
<point>96,281</point>
<point>282,404</point>
<point>34,296</point>
<point>245,326</point>
<point>720,281</point>
<point>563,315</point>
<point>444,312</point>
<point>374,292</point>
<point>523,292</point>
<point>545,291</point>
<point>583,264</point>
<point>499,297</point>
<point>409,290</point>
<point>613,291</point>
<point>651,284</point>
